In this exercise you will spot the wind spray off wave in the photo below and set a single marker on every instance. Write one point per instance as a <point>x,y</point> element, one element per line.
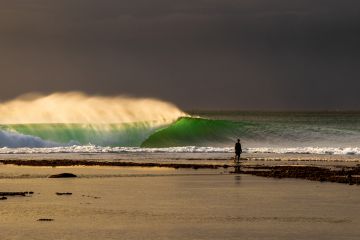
<point>76,107</point>
<point>75,118</point>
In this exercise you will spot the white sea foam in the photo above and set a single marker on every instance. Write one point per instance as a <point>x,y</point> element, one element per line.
<point>187,149</point>
<point>15,140</point>
<point>308,150</point>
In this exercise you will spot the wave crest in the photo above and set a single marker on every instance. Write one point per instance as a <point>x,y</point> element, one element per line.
<point>76,107</point>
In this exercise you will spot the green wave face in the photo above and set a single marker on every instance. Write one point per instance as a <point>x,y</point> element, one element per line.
<point>131,135</point>
<point>186,131</point>
<point>196,132</point>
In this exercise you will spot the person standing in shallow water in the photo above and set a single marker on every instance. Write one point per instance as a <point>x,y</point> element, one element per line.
<point>238,150</point>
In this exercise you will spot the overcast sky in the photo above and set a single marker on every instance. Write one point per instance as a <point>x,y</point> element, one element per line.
<point>199,54</point>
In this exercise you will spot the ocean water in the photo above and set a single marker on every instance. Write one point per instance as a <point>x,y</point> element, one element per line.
<point>325,133</point>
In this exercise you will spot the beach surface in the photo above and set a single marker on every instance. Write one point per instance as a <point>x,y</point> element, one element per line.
<point>163,202</point>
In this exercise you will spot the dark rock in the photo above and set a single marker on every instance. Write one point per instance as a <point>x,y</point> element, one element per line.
<point>307,172</point>
<point>45,220</point>
<point>94,197</point>
<point>63,175</point>
<point>23,194</point>
<point>63,193</point>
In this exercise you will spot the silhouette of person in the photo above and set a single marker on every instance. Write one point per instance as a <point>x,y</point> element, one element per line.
<point>238,150</point>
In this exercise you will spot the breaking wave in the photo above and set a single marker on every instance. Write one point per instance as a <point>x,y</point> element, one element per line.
<point>186,134</point>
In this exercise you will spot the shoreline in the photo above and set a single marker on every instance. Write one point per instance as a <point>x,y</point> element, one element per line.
<point>63,163</point>
<point>336,174</point>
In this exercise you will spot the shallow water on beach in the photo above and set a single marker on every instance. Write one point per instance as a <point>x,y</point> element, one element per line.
<point>188,206</point>
<point>193,158</point>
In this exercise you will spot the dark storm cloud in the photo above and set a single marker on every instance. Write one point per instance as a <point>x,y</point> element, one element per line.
<point>256,54</point>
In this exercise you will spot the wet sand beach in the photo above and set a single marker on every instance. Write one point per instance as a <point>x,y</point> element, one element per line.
<point>138,201</point>
<point>156,204</point>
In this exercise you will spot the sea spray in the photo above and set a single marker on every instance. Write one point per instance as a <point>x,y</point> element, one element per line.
<point>76,107</point>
